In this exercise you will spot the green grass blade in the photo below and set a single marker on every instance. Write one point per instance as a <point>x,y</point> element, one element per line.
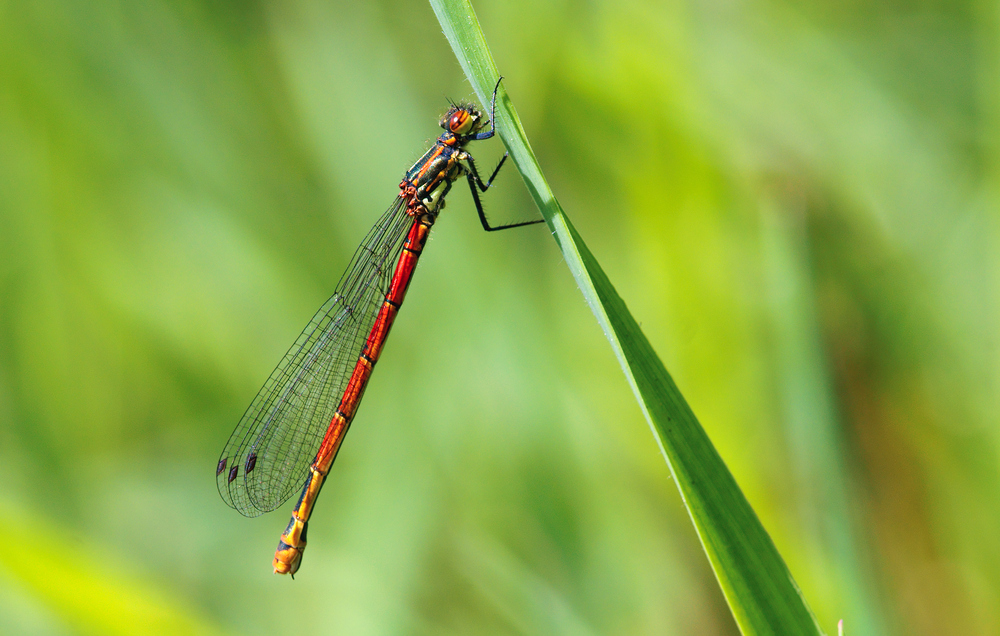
<point>756,582</point>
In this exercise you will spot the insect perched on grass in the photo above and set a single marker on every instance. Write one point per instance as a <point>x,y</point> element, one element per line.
<point>293,429</point>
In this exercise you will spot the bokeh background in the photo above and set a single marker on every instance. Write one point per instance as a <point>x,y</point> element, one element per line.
<point>797,200</point>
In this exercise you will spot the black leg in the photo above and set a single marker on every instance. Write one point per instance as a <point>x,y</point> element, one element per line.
<point>479,204</point>
<point>493,109</point>
<point>495,171</point>
<point>475,173</point>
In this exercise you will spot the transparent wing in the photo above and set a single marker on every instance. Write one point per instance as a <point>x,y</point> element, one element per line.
<point>268,455</point>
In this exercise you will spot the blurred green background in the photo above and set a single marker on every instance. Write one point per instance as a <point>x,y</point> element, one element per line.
<point>797,200</point>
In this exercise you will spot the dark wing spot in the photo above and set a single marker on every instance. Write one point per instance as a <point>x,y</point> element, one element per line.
<point>251,462</point>
<point>232,473</point>
<point>222,466</point>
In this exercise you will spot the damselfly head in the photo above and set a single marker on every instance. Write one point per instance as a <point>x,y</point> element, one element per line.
<point>462,119</point>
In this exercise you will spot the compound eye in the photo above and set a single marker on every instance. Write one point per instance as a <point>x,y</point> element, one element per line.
<point>460,123</point>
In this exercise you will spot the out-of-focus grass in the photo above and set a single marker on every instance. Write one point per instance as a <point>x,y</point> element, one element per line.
<point>795,201</point>
<point>52,585</point>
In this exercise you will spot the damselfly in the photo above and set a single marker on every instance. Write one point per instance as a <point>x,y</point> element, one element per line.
<point>293,429</point>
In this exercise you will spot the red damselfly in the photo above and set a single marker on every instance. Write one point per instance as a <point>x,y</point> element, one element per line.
<point>290,434</point>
